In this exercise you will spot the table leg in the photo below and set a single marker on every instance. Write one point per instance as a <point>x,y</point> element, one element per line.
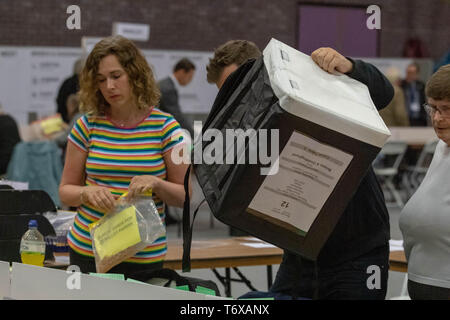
<point>269,277</point>
<point>225,281</point>
<point>228,282</point>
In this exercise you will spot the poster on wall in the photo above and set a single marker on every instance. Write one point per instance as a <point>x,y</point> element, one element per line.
<point>30,78</point>
<point>198,96</point>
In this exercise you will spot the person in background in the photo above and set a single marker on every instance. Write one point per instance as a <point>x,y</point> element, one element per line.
<point>395,114</point>
<point>229,57</point>
<point>425,219</point>
<point>122,143</point>
<point>9,137</point>
<point>182,75</point>
<point>69,86</point>
<point>414,91</point>
<point>361,237</point>
<point>73,114</point>
<point>442,61</point>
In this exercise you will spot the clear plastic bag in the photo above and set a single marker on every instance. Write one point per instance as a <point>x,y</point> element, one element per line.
<point>127,229</point>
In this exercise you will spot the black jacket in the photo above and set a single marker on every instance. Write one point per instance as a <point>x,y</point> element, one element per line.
<point>169,103</point>
<point>9,137</point>
<point>364,225</point>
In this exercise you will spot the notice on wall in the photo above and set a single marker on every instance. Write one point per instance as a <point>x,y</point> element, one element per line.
<point>30,78</point>
<point>308,173</point>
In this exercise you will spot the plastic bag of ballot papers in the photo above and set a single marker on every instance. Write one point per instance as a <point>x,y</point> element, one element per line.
<point>302,140</point>
<point>130,227</point>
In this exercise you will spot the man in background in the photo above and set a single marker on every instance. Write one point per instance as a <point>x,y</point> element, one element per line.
<point>182,75</point>
<point>361,237</point>
<point>414,91</point>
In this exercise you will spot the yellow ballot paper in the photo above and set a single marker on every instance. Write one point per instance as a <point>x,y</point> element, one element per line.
<point>52,124</point>
<point>117,233</point>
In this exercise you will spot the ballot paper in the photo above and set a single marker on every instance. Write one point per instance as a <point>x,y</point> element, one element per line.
<point>396,245</point>
<point>17,185</point>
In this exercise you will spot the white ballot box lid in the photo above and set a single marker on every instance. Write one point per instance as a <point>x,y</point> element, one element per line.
<point>337,102</point>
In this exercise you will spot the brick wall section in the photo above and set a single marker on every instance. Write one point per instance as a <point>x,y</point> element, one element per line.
<point>204,24</point>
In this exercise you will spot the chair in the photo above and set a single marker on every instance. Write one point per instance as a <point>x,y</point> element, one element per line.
<point>39,163</point>
<point>13,227</point>
<point>414,175</point>
<point>25,202</point>
<point>17,207</point>
<point>386,168</point>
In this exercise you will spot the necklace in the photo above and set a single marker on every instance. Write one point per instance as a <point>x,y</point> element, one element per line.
<point>132,119</point>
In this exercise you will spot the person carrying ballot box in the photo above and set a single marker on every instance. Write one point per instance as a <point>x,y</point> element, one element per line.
<point>121,144</point>
<point>354,262</point>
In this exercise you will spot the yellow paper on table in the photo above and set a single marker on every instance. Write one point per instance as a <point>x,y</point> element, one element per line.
<point>52,124</point>
<point>117,234</point>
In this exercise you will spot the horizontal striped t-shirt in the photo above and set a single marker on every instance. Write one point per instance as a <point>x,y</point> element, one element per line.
<point>115,155</point>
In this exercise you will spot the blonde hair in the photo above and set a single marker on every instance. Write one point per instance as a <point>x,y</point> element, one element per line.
<point>140,75</point>
<point>393,75</point>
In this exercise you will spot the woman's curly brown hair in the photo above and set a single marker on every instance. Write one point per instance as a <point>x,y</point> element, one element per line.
<point>142,81</point>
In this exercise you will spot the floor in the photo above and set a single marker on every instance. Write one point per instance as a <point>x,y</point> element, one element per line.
<point>207,227</point>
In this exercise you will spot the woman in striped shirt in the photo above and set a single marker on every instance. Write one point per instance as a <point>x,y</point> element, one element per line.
<point>122,144</point>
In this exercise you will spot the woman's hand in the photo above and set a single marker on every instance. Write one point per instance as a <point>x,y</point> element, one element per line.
<point>99,197</point>
<point>141,184</point>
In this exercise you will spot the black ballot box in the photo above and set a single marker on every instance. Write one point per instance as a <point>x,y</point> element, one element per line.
<point>302,140</point>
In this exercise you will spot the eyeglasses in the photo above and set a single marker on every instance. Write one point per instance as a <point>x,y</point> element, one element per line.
<point>444,111</point>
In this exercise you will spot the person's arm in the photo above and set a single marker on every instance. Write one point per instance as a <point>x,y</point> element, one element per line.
<point>380,89</point>
<point>72,190</point>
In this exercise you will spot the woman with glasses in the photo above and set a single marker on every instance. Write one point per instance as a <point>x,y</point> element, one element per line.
<point>425,219</point>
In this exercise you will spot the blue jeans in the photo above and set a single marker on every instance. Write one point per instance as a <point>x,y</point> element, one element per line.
<point>364,277</point>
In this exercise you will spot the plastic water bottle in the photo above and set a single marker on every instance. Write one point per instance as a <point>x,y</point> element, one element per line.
<point>32,245</point>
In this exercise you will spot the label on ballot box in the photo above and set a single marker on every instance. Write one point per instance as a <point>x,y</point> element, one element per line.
<point>308,172</point>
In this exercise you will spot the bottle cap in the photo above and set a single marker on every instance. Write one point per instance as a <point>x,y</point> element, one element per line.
<point>32,224</point>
